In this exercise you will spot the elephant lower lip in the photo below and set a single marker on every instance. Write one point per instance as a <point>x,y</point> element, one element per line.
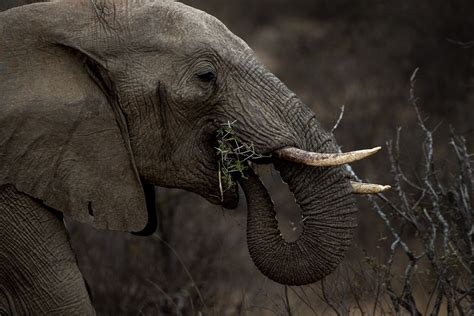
<point>230,199</point>
<point>230,204</point>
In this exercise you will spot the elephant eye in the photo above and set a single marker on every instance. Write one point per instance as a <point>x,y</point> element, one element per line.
<point>207,77</point>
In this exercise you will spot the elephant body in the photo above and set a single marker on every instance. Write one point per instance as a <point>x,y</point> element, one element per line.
<point>102,99</point>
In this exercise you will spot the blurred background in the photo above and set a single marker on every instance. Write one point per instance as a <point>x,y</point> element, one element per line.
<point>360,54</point>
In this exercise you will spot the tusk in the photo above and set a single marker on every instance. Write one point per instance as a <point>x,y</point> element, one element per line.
<point>323,160</point>
<point>368,188</point>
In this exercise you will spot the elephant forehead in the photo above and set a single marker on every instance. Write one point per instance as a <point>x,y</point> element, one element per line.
<point>161,23</point>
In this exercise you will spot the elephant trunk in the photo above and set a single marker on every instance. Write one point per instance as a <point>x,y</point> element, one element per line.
<point>328,216</point>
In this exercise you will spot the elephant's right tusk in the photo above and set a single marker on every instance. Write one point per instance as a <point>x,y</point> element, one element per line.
<point>368,188</point>
<point>323,159</point>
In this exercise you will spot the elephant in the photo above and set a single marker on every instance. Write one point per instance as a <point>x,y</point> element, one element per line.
<point>101,100</point>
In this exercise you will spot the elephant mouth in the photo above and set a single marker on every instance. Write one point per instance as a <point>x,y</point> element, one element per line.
<point>228,199</point>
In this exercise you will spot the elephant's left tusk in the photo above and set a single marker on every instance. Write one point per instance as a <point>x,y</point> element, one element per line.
<point>368,188</point>
<point>323,159</point>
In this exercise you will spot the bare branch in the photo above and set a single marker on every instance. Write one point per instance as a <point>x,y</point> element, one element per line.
<point>339,120</point>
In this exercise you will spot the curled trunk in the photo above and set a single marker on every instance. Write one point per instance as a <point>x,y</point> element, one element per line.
<point>328,215</point>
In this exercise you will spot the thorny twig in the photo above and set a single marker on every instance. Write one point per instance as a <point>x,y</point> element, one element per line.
<point>339,120</point>
<point>441,216</point>
<point>186,270</point>
<point>428,214</point>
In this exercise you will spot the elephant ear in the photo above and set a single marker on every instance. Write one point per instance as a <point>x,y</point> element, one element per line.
<point>62,140</point>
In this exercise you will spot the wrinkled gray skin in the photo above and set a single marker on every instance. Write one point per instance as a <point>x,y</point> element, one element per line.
<point>99,98</point>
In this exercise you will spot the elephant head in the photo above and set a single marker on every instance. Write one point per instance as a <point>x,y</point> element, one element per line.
<point>99,97</point>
